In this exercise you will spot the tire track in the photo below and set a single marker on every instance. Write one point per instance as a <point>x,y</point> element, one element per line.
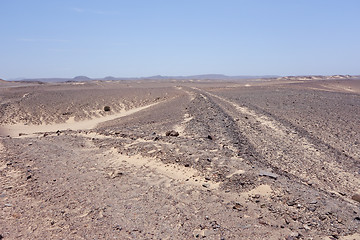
<point>284,149</point>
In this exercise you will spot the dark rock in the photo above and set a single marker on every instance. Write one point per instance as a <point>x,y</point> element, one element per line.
<point>268,174</point>
<point>256,196</point>
<point>117,228</point>
<point>291,203</point>
<point>172,133</point>
<point>263,222</point>
<point>357,218</point>
<point>312,209</point>
<point>206,185</point>
<point>356,197</point>
<point>107,108</point>
<point>238,206</point>
<point>187,165</point>
<point>210,137</point>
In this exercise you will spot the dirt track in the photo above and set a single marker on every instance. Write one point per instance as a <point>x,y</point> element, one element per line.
<point>252,161</point>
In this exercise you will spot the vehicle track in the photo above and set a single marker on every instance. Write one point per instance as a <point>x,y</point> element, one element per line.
<point>287,151</point>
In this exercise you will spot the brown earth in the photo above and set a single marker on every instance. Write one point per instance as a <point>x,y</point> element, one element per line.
<point>180,160</point>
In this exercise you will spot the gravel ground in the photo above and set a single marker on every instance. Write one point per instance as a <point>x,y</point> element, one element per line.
<point>215,160</point>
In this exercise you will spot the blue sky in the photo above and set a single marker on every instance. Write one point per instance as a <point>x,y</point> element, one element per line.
<point>134,38</point>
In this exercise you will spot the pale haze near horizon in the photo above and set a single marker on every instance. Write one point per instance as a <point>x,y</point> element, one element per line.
<point>135,38</point>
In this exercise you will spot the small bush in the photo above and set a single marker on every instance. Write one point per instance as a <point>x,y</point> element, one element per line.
<point>106,108</point>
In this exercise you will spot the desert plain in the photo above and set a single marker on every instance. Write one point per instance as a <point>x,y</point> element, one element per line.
<point>256,159</point>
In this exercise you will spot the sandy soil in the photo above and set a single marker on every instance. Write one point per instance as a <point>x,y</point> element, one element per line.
<point>255,160</point>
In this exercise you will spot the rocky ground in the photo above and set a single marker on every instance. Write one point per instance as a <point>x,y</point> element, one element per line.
<point>216,160</point>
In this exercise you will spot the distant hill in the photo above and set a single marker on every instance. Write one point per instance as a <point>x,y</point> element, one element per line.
<point>194,77</point>
<point>209,77</point>
<point>110,78</point>
<point>319,77</point>
<point>81,78</point>
<point>157,77</point>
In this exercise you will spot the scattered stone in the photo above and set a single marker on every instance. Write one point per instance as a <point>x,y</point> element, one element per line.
<point>30,144</point>
<point>268,174</point>
<point>203,233</point>
<point>311,183</point>
<point>238,206</point>
<point>313,202</point>
<point>306,227</point>
<point>215,225</point>
<point>356,197</point>
<point>107,108</point>
<point>172,133</point>
<point>187,165</point>
<point>210,137</point>
<point>312,209</point>
<point>291,203</point>
<point>293,236</point>
<point>207,178</point>
<point>156,138</point>
<point>206,185</point>
<point>263,222</point>
<point>117,228</point>
<point>357,218</point>
<point>115,173</point>
<point>8,205</point>
<point>256,196</point>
